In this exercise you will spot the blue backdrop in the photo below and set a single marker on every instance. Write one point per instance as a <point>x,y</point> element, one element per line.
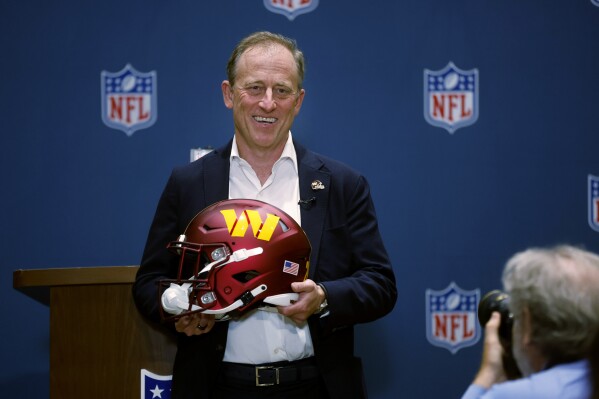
<point>452,206</point>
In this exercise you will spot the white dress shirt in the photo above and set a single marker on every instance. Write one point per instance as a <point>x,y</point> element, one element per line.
<point>263,335</point>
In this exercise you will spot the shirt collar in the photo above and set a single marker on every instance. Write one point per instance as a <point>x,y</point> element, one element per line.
<point>288,151</point>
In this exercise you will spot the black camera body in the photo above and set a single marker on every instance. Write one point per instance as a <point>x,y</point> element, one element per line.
<point>497,301</point>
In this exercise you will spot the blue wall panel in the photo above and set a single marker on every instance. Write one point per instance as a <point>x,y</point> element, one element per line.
<point>452,207</point>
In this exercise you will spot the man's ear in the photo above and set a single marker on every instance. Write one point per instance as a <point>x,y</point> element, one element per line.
<point>299,101</point>
<point>227,93</point>
<point>526,327</point>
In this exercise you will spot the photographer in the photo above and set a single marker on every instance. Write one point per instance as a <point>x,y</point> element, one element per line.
<point>554,299</point>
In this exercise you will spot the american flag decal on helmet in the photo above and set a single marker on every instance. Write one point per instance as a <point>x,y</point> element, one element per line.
<point>291,267</point>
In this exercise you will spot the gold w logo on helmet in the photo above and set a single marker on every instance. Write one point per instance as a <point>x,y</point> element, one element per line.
<point>238,225</point>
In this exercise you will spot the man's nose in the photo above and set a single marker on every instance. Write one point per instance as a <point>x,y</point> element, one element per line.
<point>268,102</point>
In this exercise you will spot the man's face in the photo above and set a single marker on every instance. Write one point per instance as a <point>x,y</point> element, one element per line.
<point>265,98</point>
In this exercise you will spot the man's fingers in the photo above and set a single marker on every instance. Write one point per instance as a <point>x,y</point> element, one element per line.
<point>195,324</point>
<point>494,321</point>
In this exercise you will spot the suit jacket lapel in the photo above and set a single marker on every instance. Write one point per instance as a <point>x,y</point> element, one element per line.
<point>216,175</point>
<point>313,215</point>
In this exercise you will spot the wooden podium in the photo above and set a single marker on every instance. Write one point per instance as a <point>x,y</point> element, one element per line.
<point>99,343</point>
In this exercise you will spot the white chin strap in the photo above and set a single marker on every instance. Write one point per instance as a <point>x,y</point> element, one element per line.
<point>282,299</point>
<point>175,299</point>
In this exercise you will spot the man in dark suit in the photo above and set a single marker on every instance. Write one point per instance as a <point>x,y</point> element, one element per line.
<point>308,344</point>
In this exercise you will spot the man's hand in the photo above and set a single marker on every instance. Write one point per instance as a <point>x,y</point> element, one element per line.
<point>311,295</point>
<point>491,368</point>
<point>195,324</point>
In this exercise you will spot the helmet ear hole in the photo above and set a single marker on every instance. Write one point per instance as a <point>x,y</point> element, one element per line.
<point>246,276</point>
<point>206,227</point>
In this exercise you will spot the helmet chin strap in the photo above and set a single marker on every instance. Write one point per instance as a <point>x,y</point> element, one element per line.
<point>238,303</point>
<point>282,299</point>
<point>175,299</point>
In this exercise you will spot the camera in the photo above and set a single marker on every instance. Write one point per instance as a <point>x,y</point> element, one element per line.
<point>497,301</point>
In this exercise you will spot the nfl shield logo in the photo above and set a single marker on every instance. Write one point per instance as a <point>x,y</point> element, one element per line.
<point>451,317</point>
<point>155,386</point>
<point>129,99</point>
<point>594,202</point>
<point>291,8</point>
<point>451,97</point>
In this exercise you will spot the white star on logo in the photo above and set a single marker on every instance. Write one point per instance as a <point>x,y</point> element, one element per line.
<point>156,392</point>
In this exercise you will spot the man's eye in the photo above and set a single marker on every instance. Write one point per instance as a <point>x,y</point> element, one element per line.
<point>282,91</point>
<point>254,90</point>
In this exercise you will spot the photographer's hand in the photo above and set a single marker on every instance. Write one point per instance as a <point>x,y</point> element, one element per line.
<point>491,368</point>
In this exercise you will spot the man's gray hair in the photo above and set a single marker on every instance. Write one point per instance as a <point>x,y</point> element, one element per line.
<point>560,288</point>
<point>265,39</point>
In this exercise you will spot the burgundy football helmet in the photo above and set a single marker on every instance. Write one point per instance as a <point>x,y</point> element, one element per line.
<point>233,256</point>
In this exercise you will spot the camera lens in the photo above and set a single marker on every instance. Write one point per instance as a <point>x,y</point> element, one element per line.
<point>497,301</point>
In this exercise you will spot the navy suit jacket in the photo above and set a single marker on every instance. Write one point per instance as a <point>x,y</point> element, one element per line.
<point>348,257</point>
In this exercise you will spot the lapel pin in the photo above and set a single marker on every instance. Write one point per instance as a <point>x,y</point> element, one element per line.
<point>317,185</point>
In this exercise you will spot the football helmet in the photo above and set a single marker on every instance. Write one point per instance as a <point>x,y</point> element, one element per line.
<point>234,256</point>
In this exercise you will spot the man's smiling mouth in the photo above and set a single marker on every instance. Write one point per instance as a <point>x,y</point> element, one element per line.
<point>263,119</point>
